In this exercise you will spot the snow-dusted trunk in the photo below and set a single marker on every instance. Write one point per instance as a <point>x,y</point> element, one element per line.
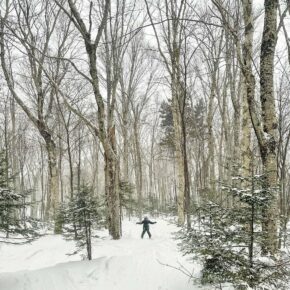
<point>234,83</point>
<point>178,160</point>
<point>88,235</point>
<point>52,201</point>
<point>138,167</point>
<point>70,162</point>
<point>16,181</point>
<point>268,148</point>
<point>237,131</point>
<point>125,170</point>
<point>112,186</point>
<point>267,134</point>
<point>211,151</point>
<point>224,144</point>
<point>34,204</point>
<point>177,92</point>
<point>246,153</point>
<point>124,173</point>
<point>151,167</point>
<point>248,90</point>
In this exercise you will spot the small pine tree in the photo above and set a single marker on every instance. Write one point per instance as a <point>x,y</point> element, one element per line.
<point>127,200</point>
<point>17,226</point>
<point>83,213</point>
<point>228,240</point>
<point>194,118</point>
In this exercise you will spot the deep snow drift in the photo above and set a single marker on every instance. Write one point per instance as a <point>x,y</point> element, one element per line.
<point>127,264</point>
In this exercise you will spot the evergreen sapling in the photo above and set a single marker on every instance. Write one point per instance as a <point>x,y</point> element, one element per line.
<point>228,240</point>
<point>16,226</point>
<point>83,213</point>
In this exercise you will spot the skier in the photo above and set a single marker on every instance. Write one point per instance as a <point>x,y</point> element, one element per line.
<point>146,223</point>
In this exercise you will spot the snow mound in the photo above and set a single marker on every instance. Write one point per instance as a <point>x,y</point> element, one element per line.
<point>127,264</point>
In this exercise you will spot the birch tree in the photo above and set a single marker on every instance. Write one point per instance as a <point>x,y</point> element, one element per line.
<point>267,136</point>
<point>266,127</point>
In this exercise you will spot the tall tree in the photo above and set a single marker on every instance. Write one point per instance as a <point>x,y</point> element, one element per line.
<point>115,35</point>
<point>136,84</point>
<point>267,137</point>
<point>172,32</point>
<point>266,129</point>
<point>31,30</point>
<point>248,89</point>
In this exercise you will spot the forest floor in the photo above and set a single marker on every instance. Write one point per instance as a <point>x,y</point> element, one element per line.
<point>130,263</point>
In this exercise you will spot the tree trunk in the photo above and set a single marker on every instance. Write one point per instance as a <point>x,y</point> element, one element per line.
<point>112,187</point>
<point>267,136</point>
<point>211,151</point>
<point>105,130</point>
<point>52,198</point>
<point>248,89</point>
<point>246,153</point>
<point>179,160</point>
<point>268,148</point>
<point>138,169</point>
<point>15,174</point>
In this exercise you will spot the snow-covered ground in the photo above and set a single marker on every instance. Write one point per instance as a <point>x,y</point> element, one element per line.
<point>127,264</point>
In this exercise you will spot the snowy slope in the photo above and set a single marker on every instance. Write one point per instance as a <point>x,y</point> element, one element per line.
<point>127,264</point>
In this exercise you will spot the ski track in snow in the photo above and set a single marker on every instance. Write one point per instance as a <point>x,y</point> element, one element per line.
<point>126,264</point>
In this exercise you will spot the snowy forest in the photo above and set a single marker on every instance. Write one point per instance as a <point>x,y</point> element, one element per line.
<point>115,113</point>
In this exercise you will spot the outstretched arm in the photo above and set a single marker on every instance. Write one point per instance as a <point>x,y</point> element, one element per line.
<point>152,222</point>
<point>139,223</point>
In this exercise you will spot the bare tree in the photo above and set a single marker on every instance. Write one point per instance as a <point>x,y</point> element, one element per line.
<point>31,33</point>
<point>266,128</point>
<point>172,32</point>
<point>103,69</point>
<point>136,84</point>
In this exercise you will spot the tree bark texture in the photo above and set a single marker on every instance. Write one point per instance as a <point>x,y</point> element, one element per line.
<point>268,133</point>
<point>248,90</point>
<point>268,147</point>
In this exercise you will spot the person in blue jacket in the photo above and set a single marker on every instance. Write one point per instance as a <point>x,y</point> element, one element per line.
<point>146,223</point>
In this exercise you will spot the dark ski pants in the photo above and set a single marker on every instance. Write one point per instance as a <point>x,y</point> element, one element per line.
<point>144,231</point>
